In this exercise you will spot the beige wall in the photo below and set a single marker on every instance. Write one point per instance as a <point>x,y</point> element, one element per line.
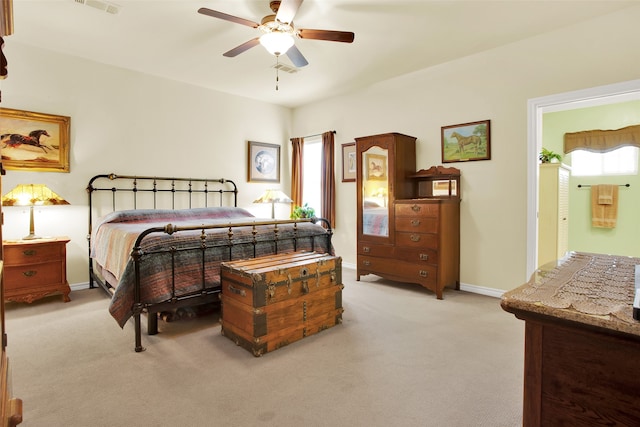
<point>128,122</point>
<point>493,85</point>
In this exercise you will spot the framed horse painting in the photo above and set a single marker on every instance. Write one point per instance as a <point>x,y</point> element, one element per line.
<point>34,141</point>
<point>466,141</point>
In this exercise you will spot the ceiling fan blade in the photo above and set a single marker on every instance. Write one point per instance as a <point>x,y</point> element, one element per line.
<point>332,36</point>
<point>216,14</point>
<point>288,10</point>
<point>243,47</point>
<point>296,57</point>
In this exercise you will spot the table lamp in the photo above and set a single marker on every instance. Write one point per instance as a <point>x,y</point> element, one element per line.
<point>273,197</point>
<point>32,195</point>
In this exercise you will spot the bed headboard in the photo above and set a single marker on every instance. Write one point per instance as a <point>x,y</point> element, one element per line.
<point>112,192</point>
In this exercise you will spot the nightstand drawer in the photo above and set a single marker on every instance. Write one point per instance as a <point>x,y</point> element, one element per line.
<point>26,276</point>
<point>35,268</point>
<point>31,254</point>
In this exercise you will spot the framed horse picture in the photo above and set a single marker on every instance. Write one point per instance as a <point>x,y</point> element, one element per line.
<point>466,141</point>
<point>34,141</point>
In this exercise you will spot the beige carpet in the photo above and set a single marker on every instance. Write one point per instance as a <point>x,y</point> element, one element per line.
<point>400,358</point>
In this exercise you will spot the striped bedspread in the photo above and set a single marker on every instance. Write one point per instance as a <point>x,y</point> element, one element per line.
<point>176,265</point>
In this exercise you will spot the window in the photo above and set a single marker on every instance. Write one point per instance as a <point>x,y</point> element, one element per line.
<point>621,161</point>
<point>312,176</point>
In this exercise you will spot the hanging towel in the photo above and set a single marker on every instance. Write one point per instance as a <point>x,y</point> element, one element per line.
<point>604,205</point>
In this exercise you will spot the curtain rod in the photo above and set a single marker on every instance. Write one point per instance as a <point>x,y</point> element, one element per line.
<point>619,185</point>
<point>318,134</point>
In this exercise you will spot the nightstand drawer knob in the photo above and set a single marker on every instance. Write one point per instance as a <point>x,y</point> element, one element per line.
<point>29,273</point>
<point>415,237</point>
<point>29,252</point>
<point>415,208</point>
<point>415,222</point>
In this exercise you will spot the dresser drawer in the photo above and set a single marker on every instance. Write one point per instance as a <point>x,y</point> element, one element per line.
<point>417,255</point>
<point>417,224</point>
<point>407,271</point>
<point>417,208</point>
<point>31,254</point>
<point>27,276</point>
<point>374,250</point>
<point>417,240</point>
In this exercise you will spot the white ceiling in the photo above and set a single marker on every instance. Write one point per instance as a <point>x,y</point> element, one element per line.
<point>168,38</point>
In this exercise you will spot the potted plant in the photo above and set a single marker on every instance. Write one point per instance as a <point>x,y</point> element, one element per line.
<point>304,211</point>
<point>548,156</point>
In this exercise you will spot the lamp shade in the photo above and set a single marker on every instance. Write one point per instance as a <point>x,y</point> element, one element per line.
<point>32,195</point>
<point>276,42</point>
<point>273,197</point>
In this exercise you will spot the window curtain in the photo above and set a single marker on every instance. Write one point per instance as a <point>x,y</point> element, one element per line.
<point>602,141</point>
<point>296,171</point>
<point>328,179</point>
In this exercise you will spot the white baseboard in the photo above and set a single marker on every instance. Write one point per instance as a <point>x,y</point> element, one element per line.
<point>79,286</point>
<point>491,292</point>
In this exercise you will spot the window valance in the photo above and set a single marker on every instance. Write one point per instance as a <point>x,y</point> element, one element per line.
<point>602,141</point>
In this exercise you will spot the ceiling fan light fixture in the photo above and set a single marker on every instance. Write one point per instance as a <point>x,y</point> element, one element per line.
<point>276,42</point>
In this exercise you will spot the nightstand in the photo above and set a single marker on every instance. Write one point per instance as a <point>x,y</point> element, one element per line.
<point>35,268</point>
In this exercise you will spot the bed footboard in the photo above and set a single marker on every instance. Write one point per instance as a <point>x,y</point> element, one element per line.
<point>266,237</point>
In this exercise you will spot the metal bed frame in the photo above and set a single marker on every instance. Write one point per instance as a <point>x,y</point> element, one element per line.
<point>181,192</point>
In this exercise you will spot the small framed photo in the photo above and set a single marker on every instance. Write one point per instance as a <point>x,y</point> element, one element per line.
<point>349,162</point>
<point>375,167</point>
<point>440,187</point>
<point>466,141</point>
<point>34,141</point>
<point>263,162</point>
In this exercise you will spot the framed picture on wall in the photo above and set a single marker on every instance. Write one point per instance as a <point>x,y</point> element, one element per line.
<point>263,162</point>
<point>34,141</point>
<point>466,141</point>
<point>349,162</point>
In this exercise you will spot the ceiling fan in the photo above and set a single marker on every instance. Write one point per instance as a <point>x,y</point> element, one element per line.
<point>278,31</point>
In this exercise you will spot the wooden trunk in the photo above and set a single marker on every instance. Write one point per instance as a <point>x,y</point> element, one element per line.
<point>272,301</point>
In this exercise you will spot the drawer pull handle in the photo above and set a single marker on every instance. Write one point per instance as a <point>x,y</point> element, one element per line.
<point>237,291</point>
<point>367,263</point>
<point>423,273</point>
<point>415,222</point>
<point>415,208</point>
<point>366,249</point>
<point>29,252</point>
<point>415,237</point>
<point>29,273</point>
<point>424,257</point>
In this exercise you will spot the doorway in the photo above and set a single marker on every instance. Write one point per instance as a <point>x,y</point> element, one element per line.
<point>610,94</point>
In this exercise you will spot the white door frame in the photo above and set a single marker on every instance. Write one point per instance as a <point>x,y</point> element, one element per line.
<point>536,107</point>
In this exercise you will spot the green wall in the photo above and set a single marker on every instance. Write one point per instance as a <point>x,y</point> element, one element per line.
<point>624,239</point>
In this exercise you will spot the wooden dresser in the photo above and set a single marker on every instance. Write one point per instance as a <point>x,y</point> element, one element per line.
<point>581,342</point>
<point>35,268</point>
<point>408,221</point>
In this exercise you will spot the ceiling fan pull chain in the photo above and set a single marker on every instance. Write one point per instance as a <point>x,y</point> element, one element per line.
<point>277,70</point>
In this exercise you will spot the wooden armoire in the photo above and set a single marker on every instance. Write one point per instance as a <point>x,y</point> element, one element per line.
<point>408,222</point>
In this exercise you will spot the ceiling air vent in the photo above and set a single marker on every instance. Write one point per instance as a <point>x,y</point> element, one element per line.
<point>101,5</point>
<point>285,68</point>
